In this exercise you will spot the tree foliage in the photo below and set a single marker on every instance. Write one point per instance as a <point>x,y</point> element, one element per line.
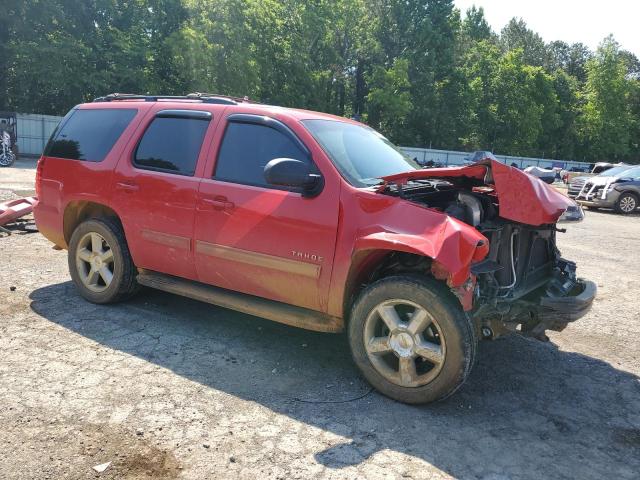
<point>420,71</point>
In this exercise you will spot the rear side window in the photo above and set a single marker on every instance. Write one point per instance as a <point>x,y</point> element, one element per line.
<point>89,134</point>
<point>171,144</point>
<point>247,148</point>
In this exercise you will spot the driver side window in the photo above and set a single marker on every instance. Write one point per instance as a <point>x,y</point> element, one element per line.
<point>246,149</point>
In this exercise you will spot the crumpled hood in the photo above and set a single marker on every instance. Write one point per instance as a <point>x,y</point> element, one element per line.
<point>522,198</point>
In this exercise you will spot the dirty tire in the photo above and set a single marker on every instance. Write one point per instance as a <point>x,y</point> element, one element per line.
<point>627,203</point>
<point>123,285</point>
<point>455,326</point>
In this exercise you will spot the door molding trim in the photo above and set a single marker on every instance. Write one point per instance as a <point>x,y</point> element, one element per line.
<point>175,241</point>
<point>247,257</point>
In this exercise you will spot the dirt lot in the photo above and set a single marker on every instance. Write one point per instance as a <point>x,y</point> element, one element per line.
<point>164,387</point>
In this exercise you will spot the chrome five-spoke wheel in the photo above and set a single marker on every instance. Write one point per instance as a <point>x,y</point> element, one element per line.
<point>100,263</point>
<point>95,262</point>
<point>404,343</point>
<point>411,339</point>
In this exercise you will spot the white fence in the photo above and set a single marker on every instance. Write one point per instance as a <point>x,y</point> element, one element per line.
<point>34,131</point>
<point>451,157</point>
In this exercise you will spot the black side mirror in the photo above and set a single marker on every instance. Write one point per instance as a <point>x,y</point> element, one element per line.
<point>288,172</point>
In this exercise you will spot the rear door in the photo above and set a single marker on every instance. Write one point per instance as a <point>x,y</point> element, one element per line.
<point>256,238</point>
<point>156,186</point>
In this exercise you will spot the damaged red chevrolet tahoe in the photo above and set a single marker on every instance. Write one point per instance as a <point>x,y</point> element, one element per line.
<point>311,220</point>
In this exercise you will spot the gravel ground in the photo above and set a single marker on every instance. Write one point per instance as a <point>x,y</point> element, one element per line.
<point>164,387</point>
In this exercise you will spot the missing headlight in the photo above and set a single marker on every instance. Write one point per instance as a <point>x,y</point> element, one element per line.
<point>573,213</point>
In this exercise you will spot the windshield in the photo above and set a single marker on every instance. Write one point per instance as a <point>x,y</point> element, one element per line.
<point>360,153</point>
<point>631,173</point>
<point>615,171</point>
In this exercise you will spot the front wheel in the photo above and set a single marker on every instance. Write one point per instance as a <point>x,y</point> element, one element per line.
<point>627,203</point>
<point>411,339</point>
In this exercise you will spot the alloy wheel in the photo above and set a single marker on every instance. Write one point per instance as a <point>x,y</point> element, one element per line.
<point>627,204</point>
<point>95,262</point>
<point>404,343</point>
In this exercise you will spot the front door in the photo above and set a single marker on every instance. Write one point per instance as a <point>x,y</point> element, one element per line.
<point>156,187</point>
<point>260,239</point>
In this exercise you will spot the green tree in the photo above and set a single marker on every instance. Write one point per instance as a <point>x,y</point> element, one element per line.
<point>389,100</point>
<point>522,98</point>
<point>475,25</point>
<point>562,141</point>
<point>412,68</point>
<point>606,114</point>
<point>516,35</point>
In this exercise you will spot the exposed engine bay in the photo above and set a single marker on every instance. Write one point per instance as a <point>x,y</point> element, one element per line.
<point>523,282</point>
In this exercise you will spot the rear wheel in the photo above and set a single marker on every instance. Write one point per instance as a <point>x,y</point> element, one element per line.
<point>627,203</point>
<point>411,339</point>
<point>100,263</point>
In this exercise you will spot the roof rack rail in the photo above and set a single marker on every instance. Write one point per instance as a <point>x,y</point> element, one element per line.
<point>244,99</point>
<point>202,97</point>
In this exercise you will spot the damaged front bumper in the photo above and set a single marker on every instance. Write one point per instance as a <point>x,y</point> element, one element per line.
<point>556,312</point>
<point>563,299</point>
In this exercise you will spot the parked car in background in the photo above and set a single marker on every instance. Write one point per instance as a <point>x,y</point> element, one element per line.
<point>620,191</point>
<point>576,184</point>
<point>547,176</point>
<point>575,172</point>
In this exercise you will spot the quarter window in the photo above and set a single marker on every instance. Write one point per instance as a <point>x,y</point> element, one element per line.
<point>89,134</point>
<point>247,148</point>
<point>171,144</point>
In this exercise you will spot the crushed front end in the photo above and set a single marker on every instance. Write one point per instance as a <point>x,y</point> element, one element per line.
<point>523,284</point>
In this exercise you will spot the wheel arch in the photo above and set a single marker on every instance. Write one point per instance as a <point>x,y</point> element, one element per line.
<point>370,265</point>
<point>630,192</point>
<point>447,257</point>
<point>78,211</point>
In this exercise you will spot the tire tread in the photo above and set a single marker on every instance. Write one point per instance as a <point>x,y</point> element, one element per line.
<point>128,286</point>
<point>462,321</point>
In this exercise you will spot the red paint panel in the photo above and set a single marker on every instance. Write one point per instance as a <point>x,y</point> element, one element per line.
<point>374,222</point>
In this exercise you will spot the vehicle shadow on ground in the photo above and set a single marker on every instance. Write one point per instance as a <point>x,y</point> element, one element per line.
<point>528,410</point>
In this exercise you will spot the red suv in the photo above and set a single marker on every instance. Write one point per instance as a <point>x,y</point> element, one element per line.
<point>312,220</point>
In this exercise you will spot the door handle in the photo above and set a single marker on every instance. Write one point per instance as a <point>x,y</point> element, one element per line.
<point>219,203</point>
<point>127,187</point>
